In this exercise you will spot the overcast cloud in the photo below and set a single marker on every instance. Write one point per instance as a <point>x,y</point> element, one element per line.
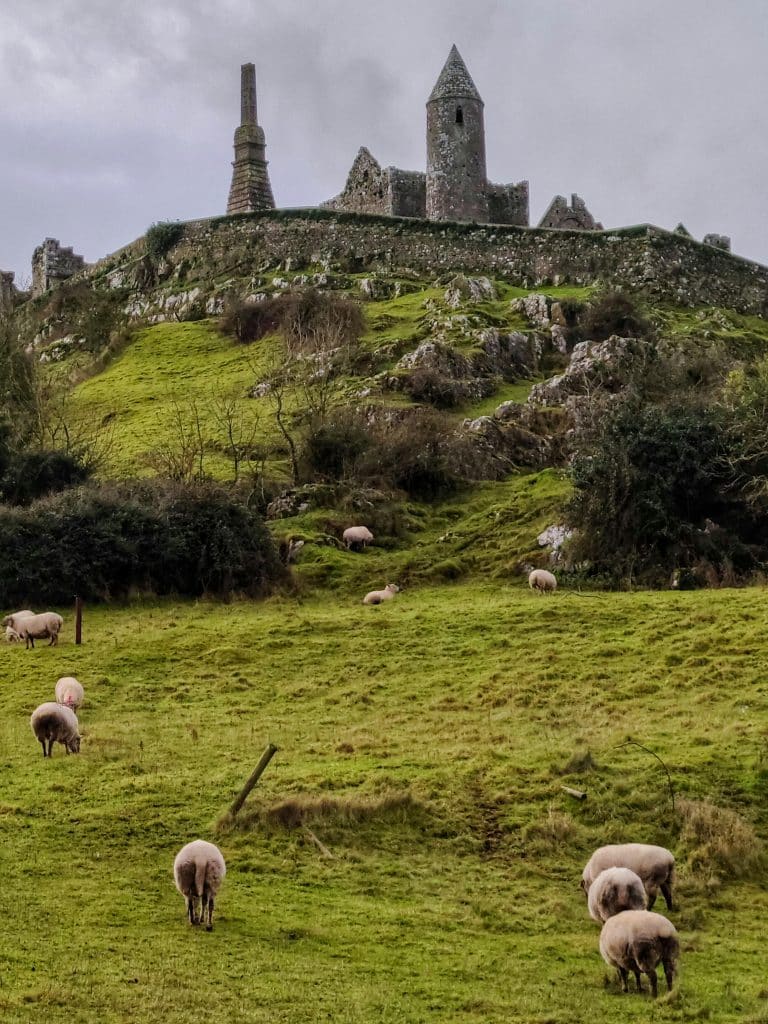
<point>115,115</point>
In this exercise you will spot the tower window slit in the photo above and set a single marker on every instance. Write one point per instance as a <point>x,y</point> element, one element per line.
<point>459,115</point>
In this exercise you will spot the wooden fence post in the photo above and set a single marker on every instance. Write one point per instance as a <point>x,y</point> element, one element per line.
<point>78,620</point>
<point>258,771</point>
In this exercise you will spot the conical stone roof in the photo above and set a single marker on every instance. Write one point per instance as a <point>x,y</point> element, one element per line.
<point>455,82</point>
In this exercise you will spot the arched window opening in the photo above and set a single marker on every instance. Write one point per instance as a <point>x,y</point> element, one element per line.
<point>459,115</point>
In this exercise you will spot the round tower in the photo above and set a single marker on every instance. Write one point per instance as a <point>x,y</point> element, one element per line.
<point>456,175</point>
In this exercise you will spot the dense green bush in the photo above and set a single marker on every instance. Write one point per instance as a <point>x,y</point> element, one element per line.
<point>27,476</point>
<point>654,490</point>
<point>105,542</point>
<point>162,236</point>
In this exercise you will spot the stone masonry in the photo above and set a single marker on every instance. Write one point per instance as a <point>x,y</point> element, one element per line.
<point>575,217</point>
<point>250,189</point>
<point>7,291</point>
<point>455,186</point>
<point>52,264</point>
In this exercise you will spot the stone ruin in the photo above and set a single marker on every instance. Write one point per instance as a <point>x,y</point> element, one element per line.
<point>718,241</point>
<point>575,217</point>
<point>7,291</point>
<point>52,264</point>
<point>455,186</point>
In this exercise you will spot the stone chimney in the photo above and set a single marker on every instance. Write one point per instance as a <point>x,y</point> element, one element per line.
<point>250,188</point>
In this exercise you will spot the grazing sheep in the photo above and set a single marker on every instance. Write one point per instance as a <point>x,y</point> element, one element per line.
<point>614,890</point>
<point>11,635</point>
<point>69,692</point>
<point>357,537</point>
<point>543,581</point>
<point>654,864</point>
<point>638,941</point>
<point>197,871</point>
<point>38,627</point>
<point>377,596</point>
<point>53,723</point>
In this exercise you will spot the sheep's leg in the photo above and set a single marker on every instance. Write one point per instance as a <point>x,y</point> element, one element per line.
<point>666,890</point>
<point>50,748</point>
<point>209,926</point>
<point>623,974</point>
<point>638,982</point>
<point>654,984</point>
<point>191,909</point>
<point>652,894</point>
<point>42,742</point>
<point>669,973</point>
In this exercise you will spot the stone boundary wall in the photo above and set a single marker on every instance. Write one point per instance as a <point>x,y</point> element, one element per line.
<point>668,267</point>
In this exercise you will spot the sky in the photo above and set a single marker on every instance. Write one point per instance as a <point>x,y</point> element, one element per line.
<point>115,115</point>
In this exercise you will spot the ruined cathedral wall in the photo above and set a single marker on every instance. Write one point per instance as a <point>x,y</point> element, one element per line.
<point>408,193</point>
<point>663,265</point>
<point>367,189</point>
<point>508,204</point>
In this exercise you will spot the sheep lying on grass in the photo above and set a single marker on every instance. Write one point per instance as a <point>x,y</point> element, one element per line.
<point>378,596</point>
<point>54,723</point>
<point>614,890</point>
<point>543,581</point>
<point>11,633</point>
<point>357,537</point>
<point>638,941</point>
<point>654,864</point>
<point>197,871</point>
<point>38,627</point>
<point>69,692</point>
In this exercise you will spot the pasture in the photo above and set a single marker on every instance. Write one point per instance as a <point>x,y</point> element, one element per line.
<point>423,745</point>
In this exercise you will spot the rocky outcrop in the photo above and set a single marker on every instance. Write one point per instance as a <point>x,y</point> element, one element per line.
<point>607,365</point>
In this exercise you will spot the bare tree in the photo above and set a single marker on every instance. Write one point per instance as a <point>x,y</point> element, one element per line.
<point>239,428</point>
<point>180,453</point>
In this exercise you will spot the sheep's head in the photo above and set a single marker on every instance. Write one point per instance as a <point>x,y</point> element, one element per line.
<point>8,620</point>
<point>392,588</point>
<point>74,745</point>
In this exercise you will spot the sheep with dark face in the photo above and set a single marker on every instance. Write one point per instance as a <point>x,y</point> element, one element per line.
<point>198,871</point>
<point>654,864</point>
<point>54,723</point>
<point>638,941</point>
<point>614,890</point>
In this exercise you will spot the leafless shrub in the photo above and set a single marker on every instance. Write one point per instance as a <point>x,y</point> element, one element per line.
<point>307,808</point>
<point>718,839</point>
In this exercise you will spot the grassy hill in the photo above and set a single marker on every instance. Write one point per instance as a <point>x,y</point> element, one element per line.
<point>424,744</point>
<point>411,854</point>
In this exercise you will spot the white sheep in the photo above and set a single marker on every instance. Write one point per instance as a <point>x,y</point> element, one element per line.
<point>654,864</point>
<point>377,596</point>
<point>543,581</point>
<point>69,692</point>
<point>357,537</point>
<point>638,941</point>
<point>198,871</point>
<point>54,723</point>
<point>11,634</point>
<point>614,890</point>
<point>38,627</point>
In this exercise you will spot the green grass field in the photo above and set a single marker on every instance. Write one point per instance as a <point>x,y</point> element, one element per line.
<point>427,742</point>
